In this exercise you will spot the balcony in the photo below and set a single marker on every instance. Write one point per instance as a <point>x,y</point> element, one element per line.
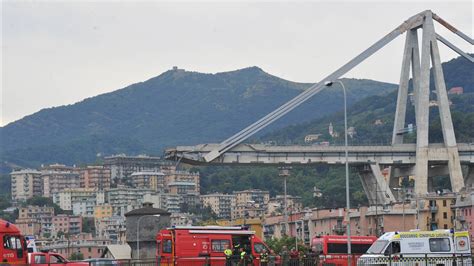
<point>461,218</point>
<point>433,209</point>
<point>339,229</point>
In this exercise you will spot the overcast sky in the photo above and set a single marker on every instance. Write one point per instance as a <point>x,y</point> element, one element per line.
<point>57,53</point>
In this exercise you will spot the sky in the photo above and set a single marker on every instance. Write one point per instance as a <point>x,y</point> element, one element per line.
<point>60,52</point>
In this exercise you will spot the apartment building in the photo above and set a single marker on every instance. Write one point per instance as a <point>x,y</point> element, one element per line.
<point>112,228</point>
<point>67,224</point>
<point>250,203</point>
<point>174,178</point>
<point>154,180</point>
<point>35,220</point>
<point>124,199</point>
<point>82,243</point>
<point>25,184</point>
<point>437,212</point>
<point>221,204</point>
<point>96,176</point>
<point>277,205</point>
<point>102,211</point>
<point>58,178</point>
<point>80,200</point>
<point>122,166</point>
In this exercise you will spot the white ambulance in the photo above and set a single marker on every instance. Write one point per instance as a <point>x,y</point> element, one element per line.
<point>440,247</point>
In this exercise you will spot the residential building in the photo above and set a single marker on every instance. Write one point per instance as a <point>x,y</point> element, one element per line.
<point>97,177</point>
<point>437,212</point>
<point>277,205</point>
<point>311,137</point>
<point>58,177</point>
<point>82,243</point>
<point>154,180</point>
<point>221,204</point>
<point>456,90</point>
<point>67,224</point>
<point>103,211</point>
<point>464,212</point>
<point>255,196</point>
<point>80,200</point>
<point>112,228</point>
<point>35,220</point>
<point>25,184</point>
<point>250,203</point>
<point>124,199</point>
<point>174,177</point>
<point>122,166</point>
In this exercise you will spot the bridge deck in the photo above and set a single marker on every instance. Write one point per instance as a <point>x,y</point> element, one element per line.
<point>268,154</point>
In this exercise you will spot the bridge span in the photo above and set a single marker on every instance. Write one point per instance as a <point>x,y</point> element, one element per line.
<point>421,63</point>
<point>316,154</point>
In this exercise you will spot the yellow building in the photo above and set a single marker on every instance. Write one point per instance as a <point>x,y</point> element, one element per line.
<point>436,212</point>
<point>254,224</point>
<point>102,211</point>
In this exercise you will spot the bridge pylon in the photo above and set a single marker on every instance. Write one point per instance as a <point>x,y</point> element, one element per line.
<point>420,70</point>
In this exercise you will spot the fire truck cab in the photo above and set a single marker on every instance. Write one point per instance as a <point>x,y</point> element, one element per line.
<point>204,245</point>
<point>13,246</point>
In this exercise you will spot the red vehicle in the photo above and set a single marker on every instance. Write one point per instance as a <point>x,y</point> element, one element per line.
<point>199,245</point>
<point>50,258</point>
<point>332,249</point>
<point>13,246</point>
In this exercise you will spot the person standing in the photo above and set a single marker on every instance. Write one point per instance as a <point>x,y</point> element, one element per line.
<point>228,256</point>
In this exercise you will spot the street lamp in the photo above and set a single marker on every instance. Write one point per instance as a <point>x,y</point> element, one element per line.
<point>138,231</point>
<point>403,206</point>
<point>284,171</point>
<point>348,206</point>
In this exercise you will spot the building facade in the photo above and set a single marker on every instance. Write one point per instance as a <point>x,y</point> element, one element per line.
<point>97,177</point>
<point>221,204</point>
<point>25,184</point>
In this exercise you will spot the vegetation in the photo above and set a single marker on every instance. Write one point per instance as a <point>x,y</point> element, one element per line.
<point>175,108</point>
<point>43,201</point>
<point>290,242</point>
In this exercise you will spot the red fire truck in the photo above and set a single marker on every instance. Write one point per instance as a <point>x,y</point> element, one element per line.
<point>332,249</point>
<point>13,246</point>
<point>205,245</point>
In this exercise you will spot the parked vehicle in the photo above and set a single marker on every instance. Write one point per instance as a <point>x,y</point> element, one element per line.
<point>13,248</point>
<point>332,249</point>
<point>440,247</point>
<point>48,258</point>
<point>203,245</point>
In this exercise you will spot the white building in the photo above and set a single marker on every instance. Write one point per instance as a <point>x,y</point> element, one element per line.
<point>221,204</point>
<point>25,184</point>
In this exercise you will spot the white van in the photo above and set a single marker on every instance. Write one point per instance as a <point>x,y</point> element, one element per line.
<point>440,247</point>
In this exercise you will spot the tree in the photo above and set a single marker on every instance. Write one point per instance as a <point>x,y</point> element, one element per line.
<point>76,256</point>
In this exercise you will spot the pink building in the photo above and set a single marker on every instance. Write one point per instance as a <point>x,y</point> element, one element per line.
<point>464,213</point>
<point>67,224</point>
<point>80,245</point>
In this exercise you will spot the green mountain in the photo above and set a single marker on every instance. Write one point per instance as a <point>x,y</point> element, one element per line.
<point>175,108</point>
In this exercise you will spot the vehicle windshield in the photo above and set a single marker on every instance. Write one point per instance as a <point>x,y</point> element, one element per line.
<point>377,247</point>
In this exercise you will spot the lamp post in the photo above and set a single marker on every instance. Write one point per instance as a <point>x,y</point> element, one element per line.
<point>138,231</point>
<point>348,206</point>
<point>284,171</point>
<point>403,202</point>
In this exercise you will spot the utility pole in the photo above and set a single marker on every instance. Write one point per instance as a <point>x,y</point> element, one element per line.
<point>284,171</point>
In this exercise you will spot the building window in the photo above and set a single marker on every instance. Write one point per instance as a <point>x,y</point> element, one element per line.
<point>444,203</point>
<point>445,226</point>
<point>445,215</point>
